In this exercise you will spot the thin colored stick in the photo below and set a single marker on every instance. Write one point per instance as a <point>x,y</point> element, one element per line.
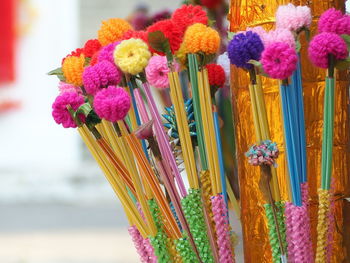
<point>120,191</point>
<point>292,164</point>
<point>221,159</point>
<point>193,69</point>
<point>234,202</point>
<point>214,153</point>
<point>184,133</point>
<point>147,172</point>
<point>264,127</point>
<point>164,140</point>
<point>207,137</point>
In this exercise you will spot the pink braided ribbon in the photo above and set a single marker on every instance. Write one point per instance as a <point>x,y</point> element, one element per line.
<point>222,229</point>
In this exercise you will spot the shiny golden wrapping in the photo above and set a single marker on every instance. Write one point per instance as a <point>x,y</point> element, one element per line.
<point>256,245</point>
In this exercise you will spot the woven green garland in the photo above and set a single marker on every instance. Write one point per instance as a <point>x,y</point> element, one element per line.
<point>160,240</point>
<point>193,209</point>
<point>184,248</point>
<point>281,223</point>
<point>159,243</point>
<point>273,236</point>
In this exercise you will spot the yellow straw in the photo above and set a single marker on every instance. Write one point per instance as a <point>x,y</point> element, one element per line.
<point>207,138</point>
<point>255,113</point>
<point>214,153</point>
<point>184,134</point>
<point>137,182</point>
<point>120,191</point>
<point>186,130</point>
<point>231,195</point>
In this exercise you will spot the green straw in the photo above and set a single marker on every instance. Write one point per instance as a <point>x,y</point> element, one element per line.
<point>328,131</point>
<point>193,69</point>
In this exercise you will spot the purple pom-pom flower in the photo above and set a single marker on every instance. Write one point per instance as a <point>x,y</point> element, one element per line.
<point>60,112</point>
<point>244,47</point>
<point>112,103</point>
<point>100,75</point>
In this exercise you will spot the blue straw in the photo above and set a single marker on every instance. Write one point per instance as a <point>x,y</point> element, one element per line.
<point>302,135</point>
<point>294,119</point>
<point>290,150</point>
<point>221,160</point>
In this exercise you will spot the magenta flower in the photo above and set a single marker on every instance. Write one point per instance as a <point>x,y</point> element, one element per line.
<point>112,103</point>
<point>157,72</point>
<point>327,21</point>
<point>279,60</point>
<point>293,17</point>
<point>106,53</point>
<point>342,25</point>
<point>99,76</point>
<point>60,112</point>
<point>66,87</point>
<point>324,44</point>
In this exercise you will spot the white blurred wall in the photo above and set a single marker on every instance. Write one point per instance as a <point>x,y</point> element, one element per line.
<point>30,141</point>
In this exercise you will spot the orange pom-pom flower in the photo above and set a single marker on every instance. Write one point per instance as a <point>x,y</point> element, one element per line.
<point>73,68</point>
<point>201,38</point>
<point>112,30</point>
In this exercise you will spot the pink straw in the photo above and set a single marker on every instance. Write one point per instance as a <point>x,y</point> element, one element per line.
<point>164,144</point>
<point>141,106</point>
<point>222,229</point>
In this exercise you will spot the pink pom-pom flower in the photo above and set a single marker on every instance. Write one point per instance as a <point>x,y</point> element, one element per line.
<point>324,44</point>
<point>258,30</point>
<point>342,25</point>
<point>112,103</point>
<point>60,112</point>
<point>66,87</point>
<point>328,20</point>
<point>293,17</point>
<point>279,60</point>
<point>279,35</point>
<point>157,72</point>
<point>106,53</point>
<point>100,75</point>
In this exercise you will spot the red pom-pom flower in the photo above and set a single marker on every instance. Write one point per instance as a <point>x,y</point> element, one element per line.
<point>171,31</point>
<point>91,47</point>
<point>188,15</point>
<point>216,75</point>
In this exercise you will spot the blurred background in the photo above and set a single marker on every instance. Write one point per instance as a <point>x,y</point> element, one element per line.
<point>52,211</point>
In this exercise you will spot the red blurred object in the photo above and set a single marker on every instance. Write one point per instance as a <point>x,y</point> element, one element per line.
<point>7,42</point>
<point>9,105</point>
<point>211,4</point>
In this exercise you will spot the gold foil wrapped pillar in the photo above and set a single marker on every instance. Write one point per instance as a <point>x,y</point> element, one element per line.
<point>249,13</point>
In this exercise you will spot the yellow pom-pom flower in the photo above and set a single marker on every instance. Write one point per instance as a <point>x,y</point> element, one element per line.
<point>132,56</point>
<point>112,30</point>
<point>73,68</point>
<point>201,38</point>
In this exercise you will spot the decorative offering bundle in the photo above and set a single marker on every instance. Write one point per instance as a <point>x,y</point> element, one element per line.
<point>164,156</point>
